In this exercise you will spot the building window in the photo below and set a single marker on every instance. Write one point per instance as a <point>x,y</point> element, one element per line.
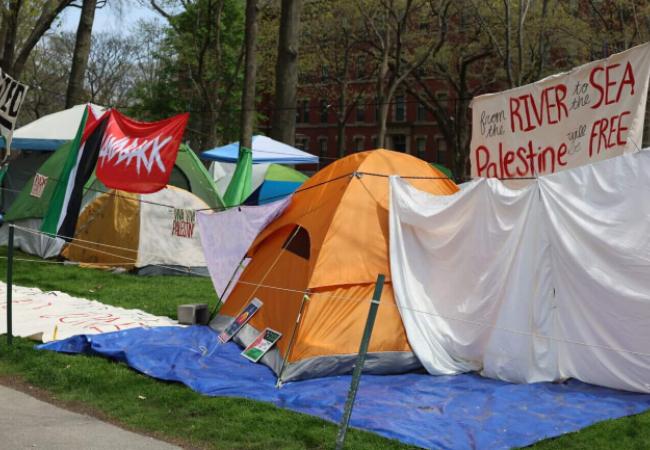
<point>361,66</point>
<point>358,143</point>
<point>421,112</point>
<point>441,144</point>
<point>442,97</point>
<point>421,146</point>
<point>324,110</point>
<point>302,143</point>
<point>374,142</point>
<point>361,111</point>
<point>322,146</point>
<point>400,109</point>
<point>324,72</point>
<point>399,142</point>
<point>302,112</point>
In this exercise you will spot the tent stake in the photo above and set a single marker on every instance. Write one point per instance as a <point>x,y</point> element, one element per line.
<point>220,297</point>
<point>358,366</point>
<point>10,269</point>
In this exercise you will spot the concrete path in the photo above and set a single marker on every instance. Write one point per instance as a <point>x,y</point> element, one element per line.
<point>28,423</point>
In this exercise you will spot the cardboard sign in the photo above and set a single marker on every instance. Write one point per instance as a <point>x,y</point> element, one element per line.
<point>262,344</point>
<point>184,223</point>
<point>38,186</point>
<point>591,113</point>
<point>12,94</point>
<point>241,319</point>
<point>139,156</point>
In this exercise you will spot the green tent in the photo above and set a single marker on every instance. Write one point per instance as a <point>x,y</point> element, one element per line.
<point>188,173</point>
<point>446,171</point>
<point>241,185</point>
<point>31,205</point>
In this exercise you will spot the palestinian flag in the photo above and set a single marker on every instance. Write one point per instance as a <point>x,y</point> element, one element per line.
<point>126,154</point>
<point>63,211</point>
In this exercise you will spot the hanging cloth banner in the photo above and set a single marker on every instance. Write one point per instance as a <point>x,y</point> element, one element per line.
<point>12,94</point>
<point>139,156</point>
<point>64,207</point>
<point>591,113</point>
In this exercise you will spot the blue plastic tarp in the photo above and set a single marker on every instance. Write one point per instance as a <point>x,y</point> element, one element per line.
<point>265,150</point>
<point>452,412</point>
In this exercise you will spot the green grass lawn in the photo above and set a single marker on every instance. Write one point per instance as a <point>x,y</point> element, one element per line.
<point>173,412</point>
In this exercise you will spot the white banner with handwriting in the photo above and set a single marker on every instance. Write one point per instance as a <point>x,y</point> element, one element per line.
<point>591,113</point>
<point>50,316</point>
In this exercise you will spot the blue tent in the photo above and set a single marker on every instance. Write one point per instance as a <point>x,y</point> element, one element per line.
<point>265,150</point>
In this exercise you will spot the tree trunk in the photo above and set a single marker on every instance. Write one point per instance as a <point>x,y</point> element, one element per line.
<point>341,119</point>
<point>283,125</point>
<point>508,55</point>
<point>206,124</point>
<point>248,95</point>
<point>74,94</point>
<point>49,11</point>
<point>10,23</point>
<point>382,101</point>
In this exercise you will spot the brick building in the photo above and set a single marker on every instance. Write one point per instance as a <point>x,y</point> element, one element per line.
<point>410,127</point>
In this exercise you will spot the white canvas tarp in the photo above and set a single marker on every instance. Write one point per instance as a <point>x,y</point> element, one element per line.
<point>540,284</point>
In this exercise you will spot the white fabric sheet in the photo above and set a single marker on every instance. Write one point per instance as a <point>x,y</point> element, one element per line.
<point>227,235</point>
<point>540,284</point>
<point>49,316</point>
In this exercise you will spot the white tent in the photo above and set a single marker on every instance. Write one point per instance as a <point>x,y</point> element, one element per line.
<point>33,143</point>
<point>222,173</point>
<point>50,132</point>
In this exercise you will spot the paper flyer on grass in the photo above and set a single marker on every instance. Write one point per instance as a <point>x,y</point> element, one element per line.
<point>241,319</point>
<point>262,344</point>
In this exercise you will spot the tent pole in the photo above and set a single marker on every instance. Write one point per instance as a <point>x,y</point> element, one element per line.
<point>358,366</point>
<point>305,298</point>
<point>10,269</point>
<point>220,297</point>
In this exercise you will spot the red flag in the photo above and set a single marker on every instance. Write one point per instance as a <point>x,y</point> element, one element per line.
<point>139,156</point>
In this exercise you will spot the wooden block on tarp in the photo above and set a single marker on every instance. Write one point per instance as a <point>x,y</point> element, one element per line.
<point>193,314</point>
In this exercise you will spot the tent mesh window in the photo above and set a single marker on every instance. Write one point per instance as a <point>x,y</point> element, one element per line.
<point>298,242</point>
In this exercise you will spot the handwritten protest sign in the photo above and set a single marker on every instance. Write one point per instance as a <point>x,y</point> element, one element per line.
<point>591,113</point>
<point>12,94</point>
<point>38,185</point>
<point>49,316</point>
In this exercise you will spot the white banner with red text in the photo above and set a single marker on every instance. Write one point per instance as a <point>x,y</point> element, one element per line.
<point>591,113</point>
<point>51,316</point>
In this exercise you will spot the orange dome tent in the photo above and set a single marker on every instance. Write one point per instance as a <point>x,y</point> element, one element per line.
<point>330,244</point>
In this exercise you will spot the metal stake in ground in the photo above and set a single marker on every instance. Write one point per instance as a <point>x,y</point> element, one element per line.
<point>358,366</point>
<point>10,269</point>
